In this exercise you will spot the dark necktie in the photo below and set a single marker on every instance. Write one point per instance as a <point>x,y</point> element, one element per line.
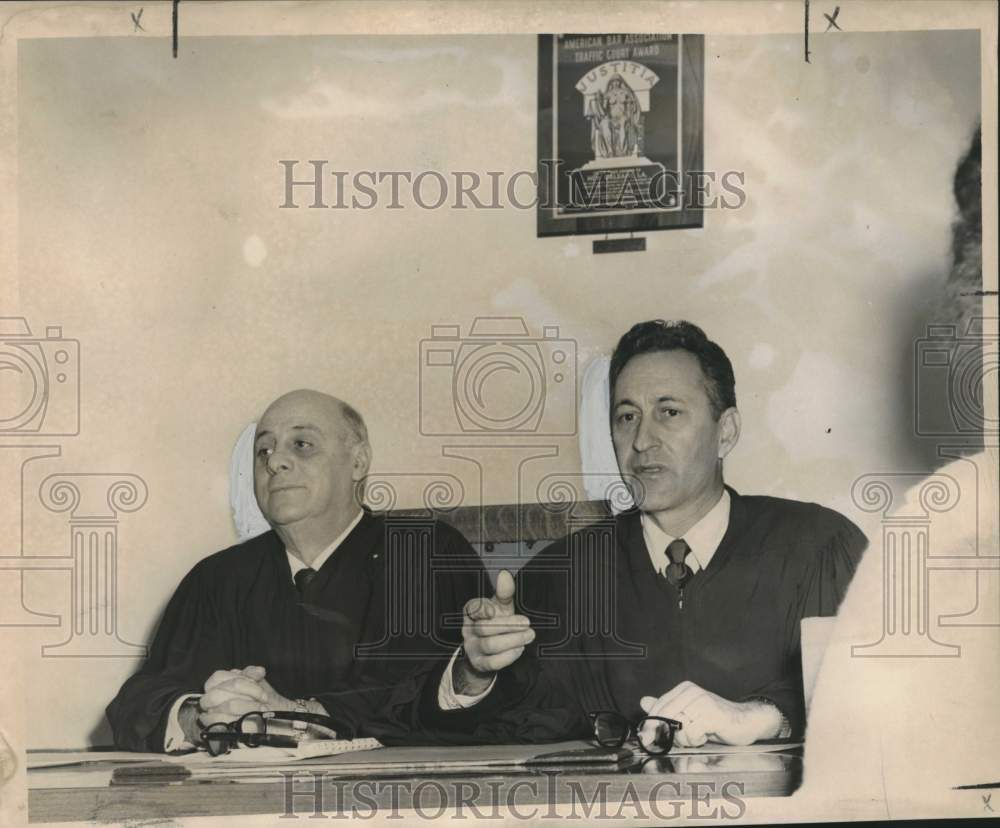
<point>677,572</point>
<point>303,578</point>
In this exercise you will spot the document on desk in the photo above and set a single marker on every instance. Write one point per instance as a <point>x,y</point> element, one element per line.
<point>263,767</point>
<point>79,768</point>
<point>715,749</point>
<point>37,759</point>
<point>309,749</point>
<point>95,768</point>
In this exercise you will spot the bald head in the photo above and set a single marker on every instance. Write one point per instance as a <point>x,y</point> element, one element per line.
<point>311,457</point>
<point>306,402</point>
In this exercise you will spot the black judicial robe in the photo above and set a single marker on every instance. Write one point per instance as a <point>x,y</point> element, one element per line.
<point>395,588</point>
<point>610,629</point>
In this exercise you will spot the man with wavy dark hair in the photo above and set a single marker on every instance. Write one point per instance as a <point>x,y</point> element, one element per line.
<point>688,606</point>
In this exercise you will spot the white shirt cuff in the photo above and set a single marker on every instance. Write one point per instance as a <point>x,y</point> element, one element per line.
<point>448,699</point>
<point>174,738</point>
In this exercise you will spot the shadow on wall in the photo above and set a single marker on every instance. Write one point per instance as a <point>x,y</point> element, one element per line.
<point>943,369</point>
<point>100,733</point>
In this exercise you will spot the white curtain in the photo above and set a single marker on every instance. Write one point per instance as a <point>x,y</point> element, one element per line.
<point>597,454</point>
<point>247,516</point>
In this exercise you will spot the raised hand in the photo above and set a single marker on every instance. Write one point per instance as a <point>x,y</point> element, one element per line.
<point>493,637</point>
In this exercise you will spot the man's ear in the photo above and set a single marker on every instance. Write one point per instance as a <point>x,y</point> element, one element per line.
<point>729,431</point>
<point>362,460</point>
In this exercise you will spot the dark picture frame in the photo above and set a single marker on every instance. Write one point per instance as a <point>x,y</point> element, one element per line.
<point>620,133</point>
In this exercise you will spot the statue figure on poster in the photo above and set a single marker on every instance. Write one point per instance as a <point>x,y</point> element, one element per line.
<point>615,121</point>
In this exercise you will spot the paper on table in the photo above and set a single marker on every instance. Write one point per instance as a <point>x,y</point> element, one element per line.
<point>255,766</point>
<point>267,753</point>
<point>58,758</point>
<point>78,776</point>
<point>717,749</point>
<point>38,759</point>
<point>79,768</point>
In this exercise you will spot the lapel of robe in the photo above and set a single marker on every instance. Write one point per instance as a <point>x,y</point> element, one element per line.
<point>277,556</point>
<point>353,556</point>
<point>636,556</point>
<point>341,594</point>
<point>646,582</point>
<point>728,545</point>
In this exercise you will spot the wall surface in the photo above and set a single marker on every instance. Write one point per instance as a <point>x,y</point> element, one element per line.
<point>150,231</point>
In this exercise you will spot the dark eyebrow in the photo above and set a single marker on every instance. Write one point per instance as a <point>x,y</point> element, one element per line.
<point>308,430</point>
<point>266,433</point>
<point>665,398</point>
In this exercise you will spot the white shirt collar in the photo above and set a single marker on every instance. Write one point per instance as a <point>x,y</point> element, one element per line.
<point>703,538</point>
<point>296,564</point>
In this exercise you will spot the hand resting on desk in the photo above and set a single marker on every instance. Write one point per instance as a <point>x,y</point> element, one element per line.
<point>706,716</point>
<point>230,694</point>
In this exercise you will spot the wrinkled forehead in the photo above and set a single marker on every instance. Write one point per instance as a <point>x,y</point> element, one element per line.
<point>300,415</point>
<point>657,374</point>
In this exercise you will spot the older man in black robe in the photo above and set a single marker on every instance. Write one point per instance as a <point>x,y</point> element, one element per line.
<point>330,612</point>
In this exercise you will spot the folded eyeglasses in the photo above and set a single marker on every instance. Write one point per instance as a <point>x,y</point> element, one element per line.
<point>612,729</point>
<point>273,727</point>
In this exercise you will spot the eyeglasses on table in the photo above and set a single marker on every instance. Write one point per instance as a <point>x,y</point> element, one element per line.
<point>274,728</point>
<point>612,730</point>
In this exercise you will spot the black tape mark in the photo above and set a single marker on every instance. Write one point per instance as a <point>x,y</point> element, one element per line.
<point>807,30</point>
<point>177,4</point>
<point>832,21</point>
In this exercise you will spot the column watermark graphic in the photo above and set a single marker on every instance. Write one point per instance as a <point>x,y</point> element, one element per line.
<point>943,521</point>
<point>41,379</point>
<point>588,567</point>
<point>94,502</point>
<point>415,568</point>
<point>906,544</point>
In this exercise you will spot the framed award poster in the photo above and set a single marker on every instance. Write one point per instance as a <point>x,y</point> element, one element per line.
<point>620,121</point>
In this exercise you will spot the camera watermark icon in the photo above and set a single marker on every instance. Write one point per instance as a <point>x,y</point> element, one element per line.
<point>499,379</point>
<point>951,370</point>
<point>40,398</point>
<point>40,378</point>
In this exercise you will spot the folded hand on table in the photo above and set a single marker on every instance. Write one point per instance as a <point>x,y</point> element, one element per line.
<point>706,716</point>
